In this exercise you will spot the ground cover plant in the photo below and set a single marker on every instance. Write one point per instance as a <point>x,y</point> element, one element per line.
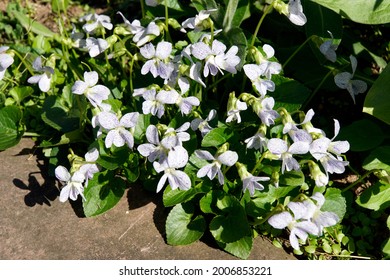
<point>250,118</point>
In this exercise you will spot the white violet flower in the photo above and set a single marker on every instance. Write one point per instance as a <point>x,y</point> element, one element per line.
<point>118,133</point>
<point>279,148</point>
<point>299,227</point>
<point>295,12</point>
<point>89,168</point>
<point>328,49</point>
<point>344,81</point>
<point>95,46</point>
<point>328,152</point>
<point>154,102</point>
<point>202,124</point>
<point>263,107</point>
<point>234,107</point>
<point>215,57</point>
<point>5,61</point>
<point>250,182</point>
<point>73,184</point>
<point>227,158</point>
<point>257,142</point>
<point>177,158</point>
<point>196,22</point>
<point>95,21</point>
<point>43,80</point>
<point>154,150</point>
<point>254,73</point>
<point>157,63</point>
<point>175,137</point>
<point>95,93</point>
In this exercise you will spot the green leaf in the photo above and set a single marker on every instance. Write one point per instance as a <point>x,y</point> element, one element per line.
<point>358,48</point>
<point>102,193</point>
<point>10,129</point>
<point>289,93</point>
<point>19,93</point>
<point>240,248</point>
<point>388,222</point>
<point>236,12</point>
<point>292,178</point>
<point>181,228</point>
<point>320,20</point>
<point>377,101</point>
<point>386,248</point>
<point>378,159</point>
<point>131,168</point>
<point>232,224</point>
<point>242,13</point>
<point>176,196</point>
<point>59,5</point>
<point>207,203</point>
<point>362,135</point>
<point>229,228</point>
<point>41,44</point>
<point>375,197</point>
<point>217,136</point>
<point>362,11</point>
<point>141,126</point>
<point>58,116</point>
<point>335,202</point>
<point>113,160</point>
<point>32,25</point>
<point>229,15</point>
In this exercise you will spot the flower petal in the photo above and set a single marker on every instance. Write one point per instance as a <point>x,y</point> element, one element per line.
<point>280,220</point>
<point>129,120</point>
<point>79,87</point>
<point>228,158</point>
<point>91,78</point>
<point>62,173</point>
<point>108,120</point>
<point>277,146</point>
<point>204,155</point>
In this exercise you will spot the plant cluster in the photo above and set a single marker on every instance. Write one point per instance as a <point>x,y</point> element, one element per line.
<point>193,102</point>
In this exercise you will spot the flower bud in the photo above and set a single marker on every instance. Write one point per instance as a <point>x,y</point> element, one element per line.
<point>316,173</point>
<point>242,170</point>
<point>121,30</point>
<point>75,161</point>
<point>281,7</point>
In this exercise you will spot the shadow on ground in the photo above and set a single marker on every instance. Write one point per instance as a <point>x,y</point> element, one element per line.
<point>35,225</point>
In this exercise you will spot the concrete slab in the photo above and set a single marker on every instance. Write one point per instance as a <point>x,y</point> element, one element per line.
<point>34,225</point>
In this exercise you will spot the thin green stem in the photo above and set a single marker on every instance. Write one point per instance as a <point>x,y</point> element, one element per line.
<point>359,180</point>
<point>258,163</point>
<point>317,89</point>
<point>28,67</point>
<point>266,11</point>
<point>31,134</point>
<point>142,8</point>
<point>131,74</point>
<point>297,50</point>
<point>277,209</point>
<point>220,80</point>
<point>168,36</point>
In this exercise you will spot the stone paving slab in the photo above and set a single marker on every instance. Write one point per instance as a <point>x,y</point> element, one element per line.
<point>34,225</point>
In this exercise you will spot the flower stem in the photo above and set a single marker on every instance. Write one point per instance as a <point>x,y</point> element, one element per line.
<point>168,36</point>
<point>317,89</point>
<point>297,50</point>
<point>359,180</point>
<point>266,11</point>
